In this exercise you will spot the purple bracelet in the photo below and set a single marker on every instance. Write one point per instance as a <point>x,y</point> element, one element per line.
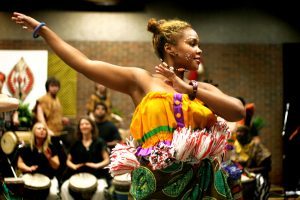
<point>37,29</point>
<point>193,83</point>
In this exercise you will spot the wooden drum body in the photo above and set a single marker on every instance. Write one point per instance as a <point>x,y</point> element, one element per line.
<point>10,140</point>
<point>121,185</point>
<point>36,186</point>
<point>248,184</point>
<point>15,186</point>
<point>83,185</point>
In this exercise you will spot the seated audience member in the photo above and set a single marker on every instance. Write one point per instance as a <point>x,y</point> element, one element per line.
<point>108,131</point>
<point>40,157</point>
<point>255,158</point>
<point>88,154</point>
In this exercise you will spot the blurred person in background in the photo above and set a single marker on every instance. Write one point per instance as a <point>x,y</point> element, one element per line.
<point>40,156</point>
<point>108,131</point>
<point>88,154</point>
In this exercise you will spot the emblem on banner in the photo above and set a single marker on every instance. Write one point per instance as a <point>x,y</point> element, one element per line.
<point>20,80</point>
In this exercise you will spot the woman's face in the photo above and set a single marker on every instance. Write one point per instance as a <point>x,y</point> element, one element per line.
<point>40,131</point>
<point>85,127</point>
<point>188,51</point>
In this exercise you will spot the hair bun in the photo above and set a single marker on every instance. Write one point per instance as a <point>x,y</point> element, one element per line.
<point>153,26</point>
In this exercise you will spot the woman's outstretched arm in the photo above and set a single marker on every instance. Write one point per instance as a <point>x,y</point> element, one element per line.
<point>115,77</point>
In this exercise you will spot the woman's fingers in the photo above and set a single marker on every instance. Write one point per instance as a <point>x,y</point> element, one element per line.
<point>166,72</point>
<point>165,65</point>
<point>159,68</point>
<point>26,22</point>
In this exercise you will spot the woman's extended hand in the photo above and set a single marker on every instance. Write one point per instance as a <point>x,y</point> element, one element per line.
<point>92,165</point>
<point>27,23</point>
<point>177,83</point>
<point>48,153</point>
<point>32,168</point>
<point>77,166</point>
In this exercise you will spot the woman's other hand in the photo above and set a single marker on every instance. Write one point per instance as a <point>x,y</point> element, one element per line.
<point>177,83</point>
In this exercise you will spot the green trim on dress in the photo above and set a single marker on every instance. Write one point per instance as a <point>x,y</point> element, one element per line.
<point>156,131</point>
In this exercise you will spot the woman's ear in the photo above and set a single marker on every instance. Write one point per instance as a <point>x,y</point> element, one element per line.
<point>169,49</point>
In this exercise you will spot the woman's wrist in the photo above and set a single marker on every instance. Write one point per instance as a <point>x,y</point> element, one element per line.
<point>192,95</point>
<point>37,29</point>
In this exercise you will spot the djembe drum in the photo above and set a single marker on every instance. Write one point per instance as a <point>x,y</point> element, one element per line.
<point>121,185</point>
<point>36,186</point>
<point>83,185</point>
<point>248,184</point>
<point>10,140</point>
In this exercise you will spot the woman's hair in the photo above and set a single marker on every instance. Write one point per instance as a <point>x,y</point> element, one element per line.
<point>47,140</point>
<point>94,128</point>
<point>165,31</point>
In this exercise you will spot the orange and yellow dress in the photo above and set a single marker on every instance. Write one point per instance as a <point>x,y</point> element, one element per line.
<point>155,120</point>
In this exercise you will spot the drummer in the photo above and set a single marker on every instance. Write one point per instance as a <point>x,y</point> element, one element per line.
<point>88,154</point>
<point>40,157</point>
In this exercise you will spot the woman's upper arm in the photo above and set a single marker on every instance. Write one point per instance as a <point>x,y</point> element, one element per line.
<point>210,87</point>
<point>120,78</point>
<point>69,160</point>
<point>56,159</point>
<point>105,155</point>
<point>227,107</point>
<point>20,162</point>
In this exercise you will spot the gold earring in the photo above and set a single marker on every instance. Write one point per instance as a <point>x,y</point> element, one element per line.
<point>173,54</point>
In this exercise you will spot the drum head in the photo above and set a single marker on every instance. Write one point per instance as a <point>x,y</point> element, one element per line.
<point>36,181</point>
<point>122,183</point>
<point>124,179</point>
<point>247,179</point>
<point>9,142</point>
<point>83,182</point>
